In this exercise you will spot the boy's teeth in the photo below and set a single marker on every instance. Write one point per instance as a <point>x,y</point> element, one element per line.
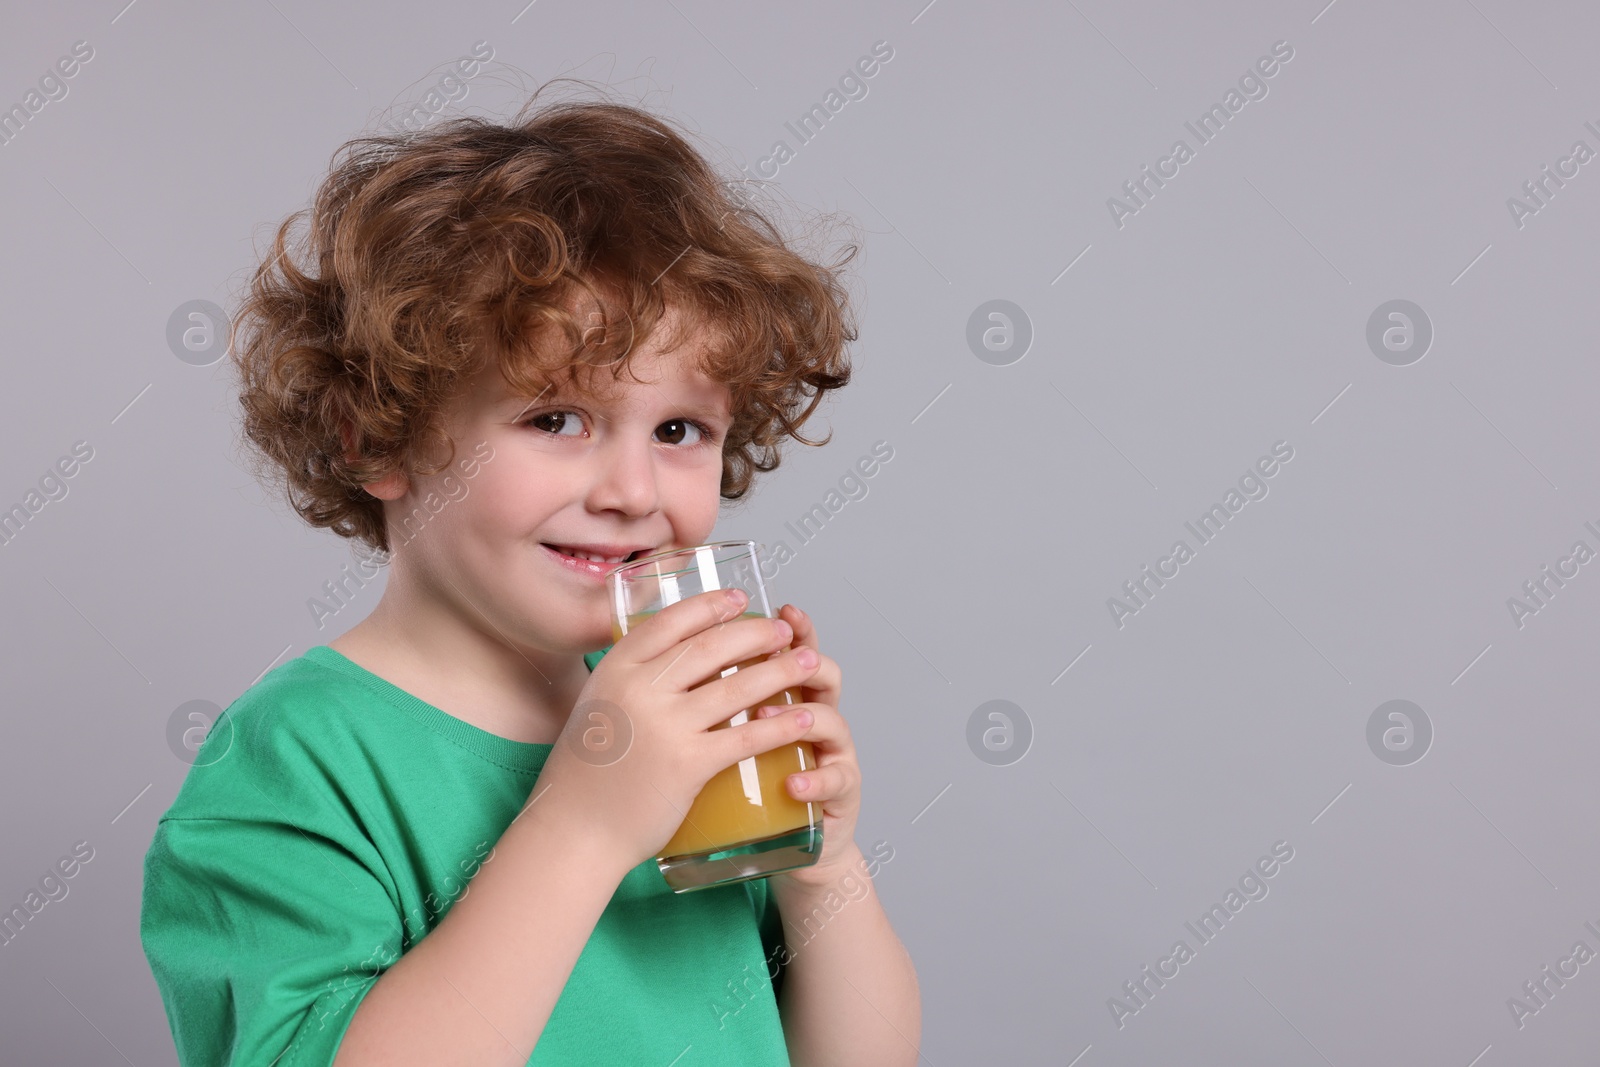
<point>591,556</point>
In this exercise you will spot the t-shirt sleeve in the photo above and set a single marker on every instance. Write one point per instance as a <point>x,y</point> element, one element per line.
<point>263,937</point>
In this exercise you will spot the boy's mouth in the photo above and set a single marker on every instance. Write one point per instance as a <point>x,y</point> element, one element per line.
<point>607,554</point>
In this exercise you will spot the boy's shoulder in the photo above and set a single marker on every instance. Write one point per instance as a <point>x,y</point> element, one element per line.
<point>307,701</point>
<point>283,744</point>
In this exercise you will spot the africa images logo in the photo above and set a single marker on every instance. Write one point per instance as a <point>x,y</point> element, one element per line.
<point>1252,86</point>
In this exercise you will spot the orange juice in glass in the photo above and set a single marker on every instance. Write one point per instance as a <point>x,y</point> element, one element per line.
<point>743,824</point>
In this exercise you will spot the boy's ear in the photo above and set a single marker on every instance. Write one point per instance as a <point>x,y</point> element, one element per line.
<point>391,486</point>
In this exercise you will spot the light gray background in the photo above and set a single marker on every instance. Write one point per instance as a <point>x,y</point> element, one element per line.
<point>1230,313</point>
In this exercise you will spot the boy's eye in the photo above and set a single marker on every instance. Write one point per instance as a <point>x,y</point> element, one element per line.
<point>679,428</point>
<point>551,419</point>
<point>685,432</point>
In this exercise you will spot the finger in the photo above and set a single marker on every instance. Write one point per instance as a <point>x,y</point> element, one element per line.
<point>756,736</point>
<point>701,657</point>
<point>835,781</point>
<point>827,725</point>
<point>653,634</point>
<point>805,631</point>
<point>763,681</point>
<point>828,683</point>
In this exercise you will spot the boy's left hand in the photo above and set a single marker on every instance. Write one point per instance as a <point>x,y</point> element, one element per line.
<point>835,783</point>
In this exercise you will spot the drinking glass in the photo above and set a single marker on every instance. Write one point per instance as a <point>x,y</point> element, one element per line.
<point>744,824</point>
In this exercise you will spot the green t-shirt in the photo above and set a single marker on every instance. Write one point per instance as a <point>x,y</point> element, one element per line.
<point>329,822</point>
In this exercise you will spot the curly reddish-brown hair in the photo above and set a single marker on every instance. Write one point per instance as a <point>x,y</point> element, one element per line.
<point>430,254</point>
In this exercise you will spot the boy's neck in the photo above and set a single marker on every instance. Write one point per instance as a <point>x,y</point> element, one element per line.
<point>523,695</point>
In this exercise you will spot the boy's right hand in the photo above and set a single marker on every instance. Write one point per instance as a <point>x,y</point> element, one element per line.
<point>640,744</point>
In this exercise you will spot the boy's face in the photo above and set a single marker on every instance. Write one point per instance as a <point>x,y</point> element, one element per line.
<point>635,469</point>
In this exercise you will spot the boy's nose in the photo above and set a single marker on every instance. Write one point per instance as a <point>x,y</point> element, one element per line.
<point>626,482</point>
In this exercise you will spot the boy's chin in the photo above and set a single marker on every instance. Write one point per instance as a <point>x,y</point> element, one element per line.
<point>590,641</point>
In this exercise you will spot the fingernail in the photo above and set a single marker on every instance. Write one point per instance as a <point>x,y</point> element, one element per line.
<point>736,596</point>
<point>807,658</point>
<point>803,718</point>
<point>800,783</point>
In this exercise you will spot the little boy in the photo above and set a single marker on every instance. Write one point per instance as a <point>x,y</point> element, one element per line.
<point>520,354</point>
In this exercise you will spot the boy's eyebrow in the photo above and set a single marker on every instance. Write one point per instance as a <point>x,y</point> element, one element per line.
<point>508,398</point>
<point>710,409</point>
